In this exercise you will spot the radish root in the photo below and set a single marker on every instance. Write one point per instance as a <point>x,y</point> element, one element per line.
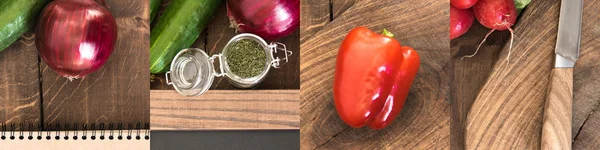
<point>512,37</point>
<point>485,38</point>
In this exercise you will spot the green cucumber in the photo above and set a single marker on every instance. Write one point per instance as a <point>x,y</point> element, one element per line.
<point>177,29</point>
<point>154,8</point>
<point>16,18</point>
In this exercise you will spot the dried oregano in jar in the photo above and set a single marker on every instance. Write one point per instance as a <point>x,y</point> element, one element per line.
<point>246,58</point>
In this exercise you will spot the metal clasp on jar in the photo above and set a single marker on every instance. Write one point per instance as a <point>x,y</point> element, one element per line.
<point>275,47</point>
<point>212,60</point>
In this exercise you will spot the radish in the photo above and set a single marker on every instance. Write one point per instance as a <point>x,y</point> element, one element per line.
<point>460,21</point>
<point>463,4</point>
<point>496,15</point>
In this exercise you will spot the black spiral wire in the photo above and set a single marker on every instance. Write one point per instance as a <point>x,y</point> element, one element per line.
<point>68,132</point>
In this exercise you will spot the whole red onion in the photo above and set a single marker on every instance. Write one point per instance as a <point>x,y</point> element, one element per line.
<point>75,37</point>
<point>269,19</point>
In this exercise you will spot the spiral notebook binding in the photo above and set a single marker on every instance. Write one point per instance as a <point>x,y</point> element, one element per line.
<point>26,132</point>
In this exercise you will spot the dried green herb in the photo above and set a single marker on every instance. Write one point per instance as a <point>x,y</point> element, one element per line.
<point>246,58</point>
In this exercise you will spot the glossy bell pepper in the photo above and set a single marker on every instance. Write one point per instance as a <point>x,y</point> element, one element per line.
<point>373,76</point>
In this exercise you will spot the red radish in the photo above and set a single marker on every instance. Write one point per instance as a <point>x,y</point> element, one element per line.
<point>496,15</point>
<point>460,21</point>
<point>463,4</point>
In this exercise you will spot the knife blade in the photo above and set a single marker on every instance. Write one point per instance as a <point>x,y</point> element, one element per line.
<point>569,33</point>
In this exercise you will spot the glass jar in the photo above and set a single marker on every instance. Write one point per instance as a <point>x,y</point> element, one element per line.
<point>192,70</point>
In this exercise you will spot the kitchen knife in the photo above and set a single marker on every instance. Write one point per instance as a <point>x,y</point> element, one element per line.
<point>556,130</point>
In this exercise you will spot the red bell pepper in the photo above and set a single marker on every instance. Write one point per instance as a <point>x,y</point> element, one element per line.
<point>373,76</point>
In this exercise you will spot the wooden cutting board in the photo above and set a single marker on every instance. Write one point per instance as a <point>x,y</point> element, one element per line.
<point>424,123</point>
<point>505,103</point>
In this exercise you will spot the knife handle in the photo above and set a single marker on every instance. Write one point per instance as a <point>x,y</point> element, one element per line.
<point>556,130</point>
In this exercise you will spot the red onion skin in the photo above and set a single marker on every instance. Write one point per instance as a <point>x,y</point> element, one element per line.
<point>75,37</point>
<point>269,19</point>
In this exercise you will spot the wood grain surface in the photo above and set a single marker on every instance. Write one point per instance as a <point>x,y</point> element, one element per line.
<point>589,135</point>
<point>19,82</point>
<point>117,93</point>
<point>469,74</point>
<point>586,84</point>
<point>424,123</point>
<point>226,110</point>
<point>556,126</point>
<point>508,110</point>
<point>218,33</point>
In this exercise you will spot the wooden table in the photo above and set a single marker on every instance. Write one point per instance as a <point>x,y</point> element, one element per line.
<point>32,93</point>
<point>424,122</point>
<point>273,104</point>
<point>496,105</point>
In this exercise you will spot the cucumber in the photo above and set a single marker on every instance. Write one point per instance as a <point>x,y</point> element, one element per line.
<point>177,29</point>
<point>154,8</point>
<point>16,17</point>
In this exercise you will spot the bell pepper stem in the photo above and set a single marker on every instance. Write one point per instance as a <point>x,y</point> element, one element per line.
<point>387,33</point>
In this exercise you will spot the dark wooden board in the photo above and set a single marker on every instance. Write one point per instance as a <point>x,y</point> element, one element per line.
<point>19,83</point>
<point>218,33</point>
<point>425,120</point>
<point>589,135</point>
<point>508,111</point>
<point>314,15</point>
<point>586,84</point>
<point>117,93</point>
<point>469,74</point>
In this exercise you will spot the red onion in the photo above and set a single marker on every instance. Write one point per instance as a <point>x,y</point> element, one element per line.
<point>75,37</point>
<point>269,19</point>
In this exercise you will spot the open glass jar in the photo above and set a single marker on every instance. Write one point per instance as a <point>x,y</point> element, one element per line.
<point>192,70</point>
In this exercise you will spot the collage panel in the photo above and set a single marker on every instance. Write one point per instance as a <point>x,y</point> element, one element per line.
<point>186,95</point>
<point>356,87</point>
<point>225,72</point>
<point>528,82</point>
<point>71,64</point>
<point>71,69</point>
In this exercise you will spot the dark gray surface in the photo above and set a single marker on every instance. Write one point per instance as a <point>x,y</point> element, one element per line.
<point>243,139</point>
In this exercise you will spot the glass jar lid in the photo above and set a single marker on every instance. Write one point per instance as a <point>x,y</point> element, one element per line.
<point>191,72</point>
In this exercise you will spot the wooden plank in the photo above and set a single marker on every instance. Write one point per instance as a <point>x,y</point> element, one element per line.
<point>117,93</point>
<point>318,13</point>
<point>586,84</point>
<point>314,15</point>
<point>470,74</point>
<point>508,110</point>
<point>425,120</point>
<point>225,110</point>
<point>589,136</point>
<point>286,77</point>
<point>19,82</point>
<point>340,6</point>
